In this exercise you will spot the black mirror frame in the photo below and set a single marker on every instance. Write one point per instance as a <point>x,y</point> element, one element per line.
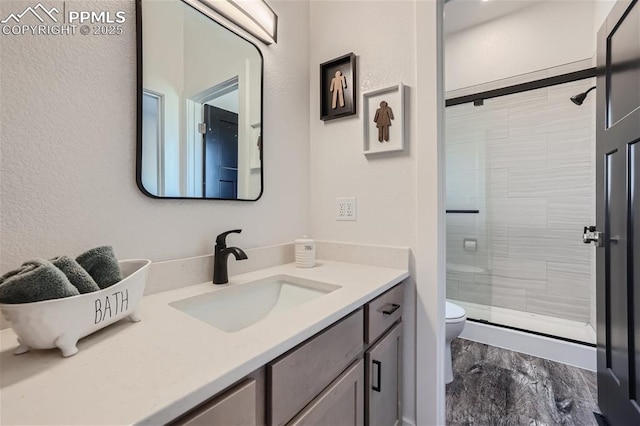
<point>139,94</point>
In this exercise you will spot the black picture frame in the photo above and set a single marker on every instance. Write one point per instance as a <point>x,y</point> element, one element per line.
<point>347,65</point>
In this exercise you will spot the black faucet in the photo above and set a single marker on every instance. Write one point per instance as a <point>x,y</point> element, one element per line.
<point>220,254</point>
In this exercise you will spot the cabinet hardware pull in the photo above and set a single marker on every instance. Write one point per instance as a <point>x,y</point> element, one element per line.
<point>379,365</point>
<point>389,311</point>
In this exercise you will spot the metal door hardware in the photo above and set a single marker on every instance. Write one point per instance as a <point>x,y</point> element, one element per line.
<point>388,311</point>
<point>590,235</point>
<point>378,364</point>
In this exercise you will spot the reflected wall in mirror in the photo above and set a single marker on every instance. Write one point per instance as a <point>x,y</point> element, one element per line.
<point>200,106</point>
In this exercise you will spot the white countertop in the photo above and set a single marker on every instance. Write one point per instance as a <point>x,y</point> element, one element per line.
<point>152,371</point>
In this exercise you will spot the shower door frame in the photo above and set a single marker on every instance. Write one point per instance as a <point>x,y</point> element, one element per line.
<point>478,98</point>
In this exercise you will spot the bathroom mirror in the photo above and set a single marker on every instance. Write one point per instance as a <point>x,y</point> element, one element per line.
<point>199,105</point>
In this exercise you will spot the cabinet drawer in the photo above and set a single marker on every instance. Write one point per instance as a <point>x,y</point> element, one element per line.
<point>236,407</point>
<point>382,312</point>
<point>298,377</point>
<point>342,403</point>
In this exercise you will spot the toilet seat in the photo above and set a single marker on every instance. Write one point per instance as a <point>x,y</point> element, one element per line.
<point>454,313</point>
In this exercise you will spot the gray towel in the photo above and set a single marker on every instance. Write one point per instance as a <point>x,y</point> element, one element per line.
<point>102,265</point>
<point>76,274</point>
<point>35,281</point>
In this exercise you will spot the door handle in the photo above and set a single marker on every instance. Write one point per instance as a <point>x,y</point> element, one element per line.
<point>590,235</point>
<point>378,364</point>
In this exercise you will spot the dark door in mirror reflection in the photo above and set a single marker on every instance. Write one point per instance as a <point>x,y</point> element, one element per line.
<point>220,165</point>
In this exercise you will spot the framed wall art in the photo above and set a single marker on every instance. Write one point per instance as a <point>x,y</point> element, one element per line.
<point>383,120</point>
<point>338,87</point>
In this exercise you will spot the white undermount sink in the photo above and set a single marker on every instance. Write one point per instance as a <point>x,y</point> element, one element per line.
<point>238,306</point>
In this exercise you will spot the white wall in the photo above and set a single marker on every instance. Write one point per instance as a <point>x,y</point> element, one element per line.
<point>68,128</point>
<point>164,75</point>
<point>601,9</point>
<point>430,251</point>
<point>385,185</point>
<point>543,36</point>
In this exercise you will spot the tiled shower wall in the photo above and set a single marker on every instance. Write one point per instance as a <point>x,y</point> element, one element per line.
<point>526,162</point>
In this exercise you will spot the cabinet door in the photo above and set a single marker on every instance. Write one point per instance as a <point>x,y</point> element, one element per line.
<point>296,378</point>
<point>236,407</point>
<point>341,404</point>
<point>384,380</point>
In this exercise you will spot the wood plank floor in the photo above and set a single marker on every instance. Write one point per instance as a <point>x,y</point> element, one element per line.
<point>494,386</point>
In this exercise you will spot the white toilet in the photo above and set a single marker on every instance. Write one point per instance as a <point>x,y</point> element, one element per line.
<point>456,319</point>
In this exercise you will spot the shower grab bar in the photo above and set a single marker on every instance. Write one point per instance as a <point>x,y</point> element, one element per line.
<point>464,211</point>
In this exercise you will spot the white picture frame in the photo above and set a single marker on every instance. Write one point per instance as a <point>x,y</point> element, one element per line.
<point>395,98</point>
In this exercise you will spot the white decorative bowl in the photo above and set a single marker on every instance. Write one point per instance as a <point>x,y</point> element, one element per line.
<point>62,322</point>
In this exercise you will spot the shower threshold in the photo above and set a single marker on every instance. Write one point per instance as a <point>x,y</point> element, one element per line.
<point>558,327</point>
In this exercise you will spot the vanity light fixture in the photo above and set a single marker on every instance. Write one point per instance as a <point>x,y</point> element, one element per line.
<point>254,16</point>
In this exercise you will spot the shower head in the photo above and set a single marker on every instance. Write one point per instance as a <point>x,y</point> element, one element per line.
<point>579,99</point>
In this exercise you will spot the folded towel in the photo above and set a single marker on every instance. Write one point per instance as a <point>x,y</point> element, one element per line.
<point>102,265</point>
<point>35,281</point>
<point>76,274</point>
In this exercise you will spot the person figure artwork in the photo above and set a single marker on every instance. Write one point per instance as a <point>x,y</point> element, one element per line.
<point>383,118</point>
<point>338,84</point>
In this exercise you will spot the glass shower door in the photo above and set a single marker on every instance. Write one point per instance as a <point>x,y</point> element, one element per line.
<point>520,187</point>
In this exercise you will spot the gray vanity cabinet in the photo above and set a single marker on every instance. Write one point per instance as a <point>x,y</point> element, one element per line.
<point>384,384</point>
<point>299,376</point>
<point>348,374</point>
<point>235,407</point>
<point>342,403</point>
<point>383,359</point>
